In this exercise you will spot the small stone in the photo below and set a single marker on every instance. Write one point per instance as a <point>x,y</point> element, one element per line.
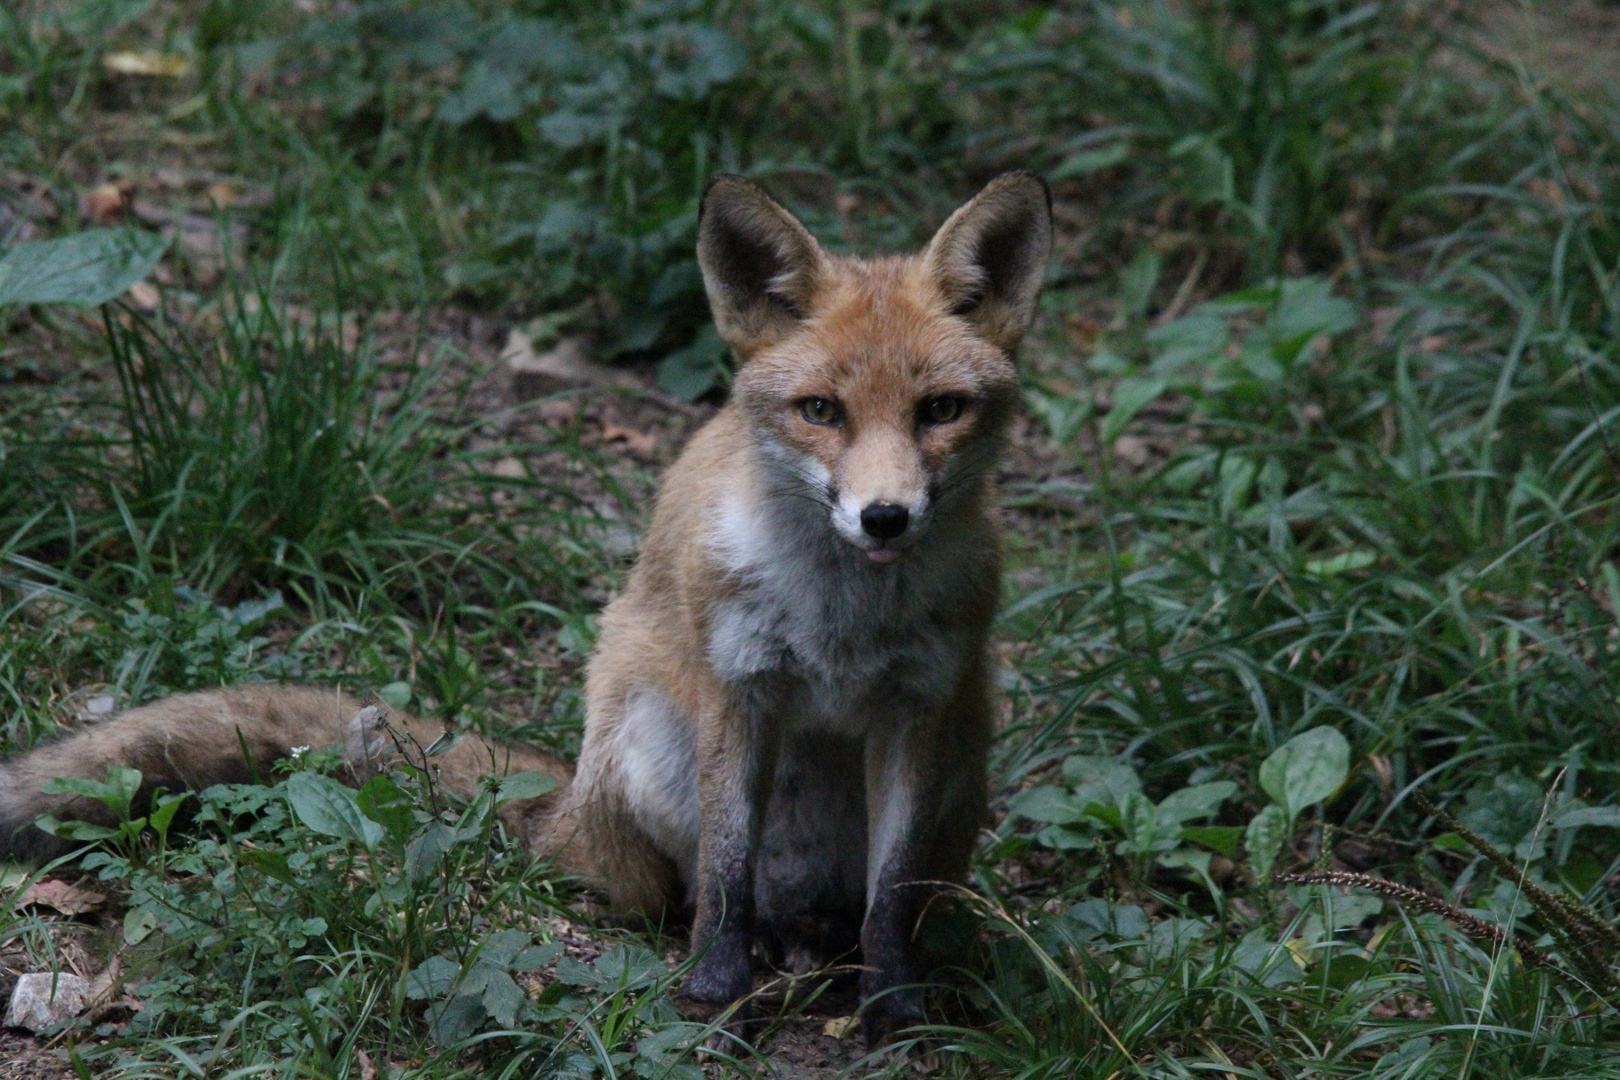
<point>44,1000</point>
<point>99,707</point>
<point>108,204</point>
<point>145,296</point>
<point>566,366</point>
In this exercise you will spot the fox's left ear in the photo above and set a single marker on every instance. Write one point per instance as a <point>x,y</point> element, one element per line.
<point>990,256</point>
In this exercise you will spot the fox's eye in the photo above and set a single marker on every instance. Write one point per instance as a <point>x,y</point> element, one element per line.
<point>941,410</point>
<point>822,411</point>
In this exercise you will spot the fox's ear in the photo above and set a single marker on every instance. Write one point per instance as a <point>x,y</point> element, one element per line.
<point>760,266</point>
<point>990,256</point>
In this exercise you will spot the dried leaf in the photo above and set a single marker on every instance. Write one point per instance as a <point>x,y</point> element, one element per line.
<point>145,296</point>
<point>841,1027</point>
<point>68,899</point>
<point>148,62</point>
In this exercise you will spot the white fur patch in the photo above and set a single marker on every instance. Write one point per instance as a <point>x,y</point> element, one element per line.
<point>657,752</point>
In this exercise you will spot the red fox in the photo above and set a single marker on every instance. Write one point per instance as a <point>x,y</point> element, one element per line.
<point>789,708</point>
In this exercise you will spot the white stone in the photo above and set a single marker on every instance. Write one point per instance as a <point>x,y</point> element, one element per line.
<point>43,1000</point>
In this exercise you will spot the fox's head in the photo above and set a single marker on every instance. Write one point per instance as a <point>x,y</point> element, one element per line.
<point>878,385</point>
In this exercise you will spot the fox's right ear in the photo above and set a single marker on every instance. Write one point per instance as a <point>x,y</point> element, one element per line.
<point>760,266</point>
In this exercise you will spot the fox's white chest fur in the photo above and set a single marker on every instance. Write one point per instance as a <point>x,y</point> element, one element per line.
<point>844,642</point>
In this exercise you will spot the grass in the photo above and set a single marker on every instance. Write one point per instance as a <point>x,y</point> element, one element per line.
<point>1322,403</point>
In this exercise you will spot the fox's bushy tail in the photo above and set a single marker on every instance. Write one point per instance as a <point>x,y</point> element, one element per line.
<point>236,735</point>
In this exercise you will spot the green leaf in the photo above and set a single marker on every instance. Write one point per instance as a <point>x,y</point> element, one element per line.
<point>525,785</point>
<point>423,854</point>
<point>87,268</point>
<point>1205,170</point>
<point>1588,815</point>
<point>1137,283</point>
<point>117,792</point>
<point>502,998</point>
<point>536,957</point>
<point>1087,162</point>
<point>1047,803</point>
<point>1307,307</point>
<point>1221,838</point>
<point>1306,769</point>
<point>1199,338</point>
<point>453,1020</point>
<point>73,830</point>
<point>164,810</point>
<point>1100,779</point>
<point>1342,563</point>
<point>329,808</point>
<point>1200,800</point>
<point>691,372</point>
<point>1130,394</point>
<point>396,695</point>
<point>272,864</point>
<point>139,922</point>
<point>382,800</point>
<point>431,978</point>
<point>1265,837</point>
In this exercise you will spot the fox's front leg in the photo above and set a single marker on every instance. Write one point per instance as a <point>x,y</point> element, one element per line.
<point>926,798</point>
<point>736,758</point>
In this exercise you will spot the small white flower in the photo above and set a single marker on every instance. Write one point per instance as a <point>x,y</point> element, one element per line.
<point>297,752</point>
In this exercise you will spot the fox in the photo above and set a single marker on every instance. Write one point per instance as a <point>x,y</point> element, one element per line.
<point>789,707</point>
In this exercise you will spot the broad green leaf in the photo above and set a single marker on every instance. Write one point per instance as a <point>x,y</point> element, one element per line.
<point>1588,815</point>
<point>164,810</point>
<point>1198,338</point>
<point>396,695</point>
<point>1047,803</point>
<point>1306,769</point>
<point>117,792</point>
<point>382,800</point>
<point>423,854</point>
<point>1126,921</point>
<point>536,957</point>
<point>1307,307</point>
<point>502,998</point>
<point>331,809</point>
<point>1503,809</point>
<point>1130,395</point>
<point>1087,162</point>
<point>691,372</point>
<point>1193,860</point>
<point>1265,837</point>
<point>139,922</point>
<point>1100,779</point>
<point>1206,172</point>
<point>431,978</point>
<point>455,1019</point>
<point>525,785</point>
<point>1221,838</point>
<point>500,947</point>
<point>87,268</point>
<point>1200,800</point>
<point>1107,813</point>
<point>73,830</point>
<point>271,864</point>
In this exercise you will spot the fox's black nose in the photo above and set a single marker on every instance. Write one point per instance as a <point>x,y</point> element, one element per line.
<point>885,521</point>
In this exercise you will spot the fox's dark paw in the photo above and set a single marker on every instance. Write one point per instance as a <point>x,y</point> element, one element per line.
<point>732,1020</point>
<point>885,1016</point>
<point>720,977</point>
